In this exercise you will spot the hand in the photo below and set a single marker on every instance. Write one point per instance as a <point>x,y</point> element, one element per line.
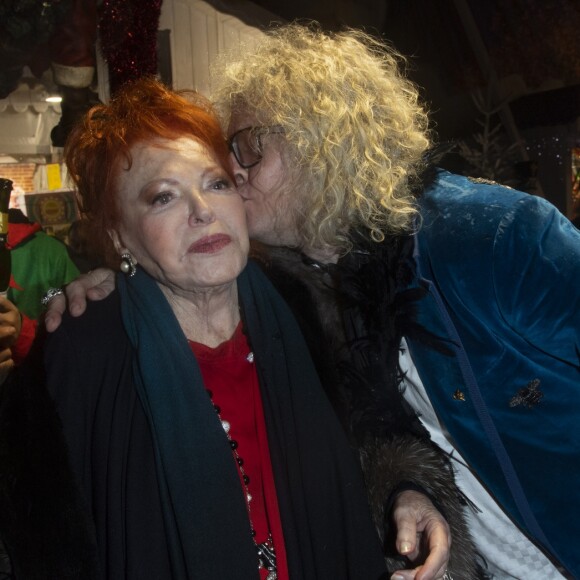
<point>421,529</point>
<point>94,285</point>
<point>6,363</point>
<point>10,323</point>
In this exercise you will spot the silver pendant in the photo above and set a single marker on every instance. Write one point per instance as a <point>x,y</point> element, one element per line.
<point>267,558</point>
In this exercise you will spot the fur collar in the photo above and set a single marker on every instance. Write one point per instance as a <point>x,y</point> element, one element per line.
<point>362,307</point>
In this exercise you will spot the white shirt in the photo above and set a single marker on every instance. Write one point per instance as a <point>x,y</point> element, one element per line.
<point>508,552</point>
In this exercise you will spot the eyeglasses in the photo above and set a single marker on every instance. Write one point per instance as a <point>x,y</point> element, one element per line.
<point>246,144</point>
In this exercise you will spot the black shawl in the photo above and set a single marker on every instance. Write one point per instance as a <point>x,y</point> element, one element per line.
<point>154,463</point>
<point>326,521</point>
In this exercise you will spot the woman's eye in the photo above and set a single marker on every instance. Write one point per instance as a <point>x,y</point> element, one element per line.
<point>161,199</point>
<point>221,184</point>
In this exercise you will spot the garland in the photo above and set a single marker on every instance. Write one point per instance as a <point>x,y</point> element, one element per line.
<point>128,33</point>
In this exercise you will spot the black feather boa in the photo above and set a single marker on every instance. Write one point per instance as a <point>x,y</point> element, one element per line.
<point>362,307</point>
<point>353,315</point>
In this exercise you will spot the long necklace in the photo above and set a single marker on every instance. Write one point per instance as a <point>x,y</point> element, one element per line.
<point>265,550</point>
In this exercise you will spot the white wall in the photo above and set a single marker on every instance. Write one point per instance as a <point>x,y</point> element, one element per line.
<point>199,32</point>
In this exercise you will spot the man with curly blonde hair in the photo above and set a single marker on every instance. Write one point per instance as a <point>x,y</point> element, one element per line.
<point>423,296</point>
<point>347,115</point>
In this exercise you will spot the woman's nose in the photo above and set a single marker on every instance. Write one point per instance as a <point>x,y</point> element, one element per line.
<point>200,211</point>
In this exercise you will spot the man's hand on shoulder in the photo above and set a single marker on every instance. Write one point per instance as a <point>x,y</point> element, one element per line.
<point>94,285</point>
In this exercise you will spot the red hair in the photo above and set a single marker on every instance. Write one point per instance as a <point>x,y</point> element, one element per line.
<point>139,112</point>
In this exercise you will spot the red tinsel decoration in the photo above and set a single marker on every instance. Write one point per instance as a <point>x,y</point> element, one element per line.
<point>128,32</point>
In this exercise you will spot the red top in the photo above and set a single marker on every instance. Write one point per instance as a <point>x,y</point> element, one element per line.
<point>229,374</point>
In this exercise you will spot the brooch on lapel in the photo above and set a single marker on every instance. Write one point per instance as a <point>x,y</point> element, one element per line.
<point>528,396</point>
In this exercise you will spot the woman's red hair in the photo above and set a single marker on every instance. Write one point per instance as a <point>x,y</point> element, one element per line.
<point>140,111</point>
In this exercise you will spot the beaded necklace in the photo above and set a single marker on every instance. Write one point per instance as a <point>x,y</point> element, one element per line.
<point>265,550</point>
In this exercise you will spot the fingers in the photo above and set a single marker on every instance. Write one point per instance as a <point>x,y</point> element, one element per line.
<point>405,574</point>
<point>8,308</point>
<point>5,355</point>
<point>102,283</point>
<point>434,567</point>
<point>407,535</point>
<point>407,511</point>
<point>94,285</point>
<point>76,295</point>
<point>10,322</point>
<point>54,312</point>
<point>415,574</point>
<point>8,335</point>
<point>436,563</point>
<point>6,363</point>
<point>421,529</point>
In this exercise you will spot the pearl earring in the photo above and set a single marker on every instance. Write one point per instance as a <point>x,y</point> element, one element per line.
<point>128,265</point>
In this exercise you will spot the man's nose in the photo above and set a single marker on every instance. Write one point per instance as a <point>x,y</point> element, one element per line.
<point>240,174</point>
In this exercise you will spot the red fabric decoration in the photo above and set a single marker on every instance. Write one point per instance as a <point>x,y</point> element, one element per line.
<point>128,33</point>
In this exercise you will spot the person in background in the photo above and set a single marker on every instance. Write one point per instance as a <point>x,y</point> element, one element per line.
<point>39,262</point>
<point>10,326</point>
<point>193,416</point>
<point>466,292</point>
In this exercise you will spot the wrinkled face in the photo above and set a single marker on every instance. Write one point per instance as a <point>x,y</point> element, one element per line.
<point>181,216</point>
<point>271,204</point>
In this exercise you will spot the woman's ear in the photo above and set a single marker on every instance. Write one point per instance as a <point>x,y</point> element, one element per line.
<point>116,239</point>
<point>128,263</point>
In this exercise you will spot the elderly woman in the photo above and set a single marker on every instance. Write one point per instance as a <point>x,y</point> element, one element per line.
<point>193,415</point>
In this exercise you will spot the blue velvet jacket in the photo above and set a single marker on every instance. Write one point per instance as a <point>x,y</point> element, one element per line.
<point>502,270</point>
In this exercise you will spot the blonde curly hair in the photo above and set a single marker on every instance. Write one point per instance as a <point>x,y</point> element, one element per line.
<point>354,127</point>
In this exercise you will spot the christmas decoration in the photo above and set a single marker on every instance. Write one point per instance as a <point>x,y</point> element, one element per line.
<point>488,153</point>
<point>25,29</point>
<point>128,33</point>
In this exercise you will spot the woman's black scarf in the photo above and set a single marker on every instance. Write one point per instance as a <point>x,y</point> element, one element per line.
<point>326,522</point>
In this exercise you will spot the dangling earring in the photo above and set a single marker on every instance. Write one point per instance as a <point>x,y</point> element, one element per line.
<point>128,265</point>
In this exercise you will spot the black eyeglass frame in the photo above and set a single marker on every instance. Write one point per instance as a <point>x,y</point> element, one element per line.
<point>259,130</point>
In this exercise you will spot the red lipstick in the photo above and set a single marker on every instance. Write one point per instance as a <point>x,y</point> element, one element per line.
<point>210,244</point>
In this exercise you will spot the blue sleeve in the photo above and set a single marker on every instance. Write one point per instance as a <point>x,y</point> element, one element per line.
<point>537,277</point>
